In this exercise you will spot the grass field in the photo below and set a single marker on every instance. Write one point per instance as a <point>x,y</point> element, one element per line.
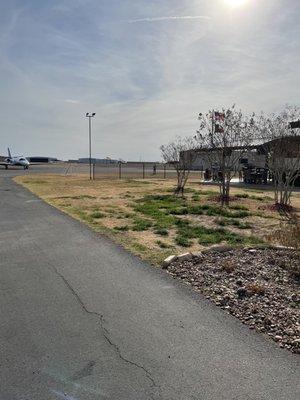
<point>145,217</point>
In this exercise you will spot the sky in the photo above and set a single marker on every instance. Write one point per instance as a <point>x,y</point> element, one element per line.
<point>145,67</point>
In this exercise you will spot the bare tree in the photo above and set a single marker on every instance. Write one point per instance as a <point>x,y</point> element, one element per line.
<point>179,154</point>
<point>282,148</point>
<point>223,138</point>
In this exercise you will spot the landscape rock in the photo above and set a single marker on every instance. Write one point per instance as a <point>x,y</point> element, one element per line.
<point>216,248</point>
<point>168,261</point>
<point>242,292</point>
<point>185,257</point>
<point>255,286</point>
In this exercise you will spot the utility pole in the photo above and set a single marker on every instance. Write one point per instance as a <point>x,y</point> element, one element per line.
<point>90,116</point>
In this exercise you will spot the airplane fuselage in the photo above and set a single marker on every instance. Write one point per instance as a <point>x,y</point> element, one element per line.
<point>17,161</point>
<point>20,161</point>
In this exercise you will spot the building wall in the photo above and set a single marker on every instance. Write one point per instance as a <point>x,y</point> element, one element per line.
<point>204,160</point>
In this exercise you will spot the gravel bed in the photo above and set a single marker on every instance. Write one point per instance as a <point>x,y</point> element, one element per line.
<point>258,286</point>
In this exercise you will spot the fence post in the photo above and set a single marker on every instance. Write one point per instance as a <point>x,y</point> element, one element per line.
<point>165,167</point>
<point>93,176</point>
<point>143,170</point>
<point>120,170</point>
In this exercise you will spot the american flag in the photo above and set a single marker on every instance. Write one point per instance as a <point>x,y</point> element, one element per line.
<point>219,129</point>
<point>219,116</point>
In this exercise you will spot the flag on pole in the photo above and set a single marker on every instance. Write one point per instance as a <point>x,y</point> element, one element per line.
<point>219,129</point>
<point>219,116</point>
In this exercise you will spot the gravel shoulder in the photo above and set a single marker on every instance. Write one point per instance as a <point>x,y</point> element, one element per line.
<point>258,286</point>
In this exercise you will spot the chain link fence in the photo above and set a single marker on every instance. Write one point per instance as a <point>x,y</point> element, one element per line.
<point>129,170</point>
<point>133,170</point>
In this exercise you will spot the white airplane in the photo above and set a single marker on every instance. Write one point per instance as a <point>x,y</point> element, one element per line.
<point>15,161</point>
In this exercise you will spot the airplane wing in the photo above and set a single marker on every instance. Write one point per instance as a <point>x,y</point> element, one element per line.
<point>4,163</point>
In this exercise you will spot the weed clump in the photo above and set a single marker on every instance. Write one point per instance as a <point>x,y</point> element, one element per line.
<point>289,236</point>
<point>182,241</point>
<point>256,288</point>
<point>123,228</point>
<point>162,245</point>
<point>141,224</point>
<point>232,222</point>
<point>161,231</point>
<point>228,266</point>
<point>97,214</point>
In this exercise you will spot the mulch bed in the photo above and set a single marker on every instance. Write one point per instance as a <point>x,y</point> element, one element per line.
<point>259,286</point>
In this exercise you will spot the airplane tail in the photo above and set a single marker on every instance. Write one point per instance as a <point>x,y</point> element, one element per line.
<point>9,153</point>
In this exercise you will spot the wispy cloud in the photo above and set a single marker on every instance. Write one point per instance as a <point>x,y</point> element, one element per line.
<point>71,101</point>
<point>146,75</point>
<point>170,18</point>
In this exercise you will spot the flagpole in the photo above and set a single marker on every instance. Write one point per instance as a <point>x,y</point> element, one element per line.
<point>212,127</point>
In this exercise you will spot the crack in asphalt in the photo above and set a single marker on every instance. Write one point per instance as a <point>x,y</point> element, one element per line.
<point>101,320</point>
<point>106,333</point>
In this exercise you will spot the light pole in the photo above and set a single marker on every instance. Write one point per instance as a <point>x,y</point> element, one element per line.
<point>90,116</point>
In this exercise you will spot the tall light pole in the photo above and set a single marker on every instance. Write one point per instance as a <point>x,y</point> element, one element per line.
<point>90,116</point>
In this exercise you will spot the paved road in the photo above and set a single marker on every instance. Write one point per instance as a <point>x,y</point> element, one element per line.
<point>55,168</point>
<point>81,319</point>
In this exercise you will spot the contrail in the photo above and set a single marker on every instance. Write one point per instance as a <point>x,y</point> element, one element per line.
<point>133,21</point>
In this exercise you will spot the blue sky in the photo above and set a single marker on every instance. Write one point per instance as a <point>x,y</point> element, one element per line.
<point>147,68</point>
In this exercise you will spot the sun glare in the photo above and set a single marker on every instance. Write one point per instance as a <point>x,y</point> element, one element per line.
<point>235,3</point>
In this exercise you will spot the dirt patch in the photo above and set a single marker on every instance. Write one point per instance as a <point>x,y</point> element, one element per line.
<point>255,285</point>
<point>278,208</point>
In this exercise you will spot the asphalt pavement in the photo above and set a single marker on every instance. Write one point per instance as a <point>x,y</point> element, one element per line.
<point>82,319</point>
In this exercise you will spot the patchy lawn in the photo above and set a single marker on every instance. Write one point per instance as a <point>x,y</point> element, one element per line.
<point>145,217</point>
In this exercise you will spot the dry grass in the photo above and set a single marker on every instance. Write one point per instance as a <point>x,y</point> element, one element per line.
<point>228,266</point>
<point>288,235</point>
<point>108,207</point>
<point>256,288</point>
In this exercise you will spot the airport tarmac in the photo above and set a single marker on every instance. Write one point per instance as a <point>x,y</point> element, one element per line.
<point>82,319</point>
<point>55,168</point>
